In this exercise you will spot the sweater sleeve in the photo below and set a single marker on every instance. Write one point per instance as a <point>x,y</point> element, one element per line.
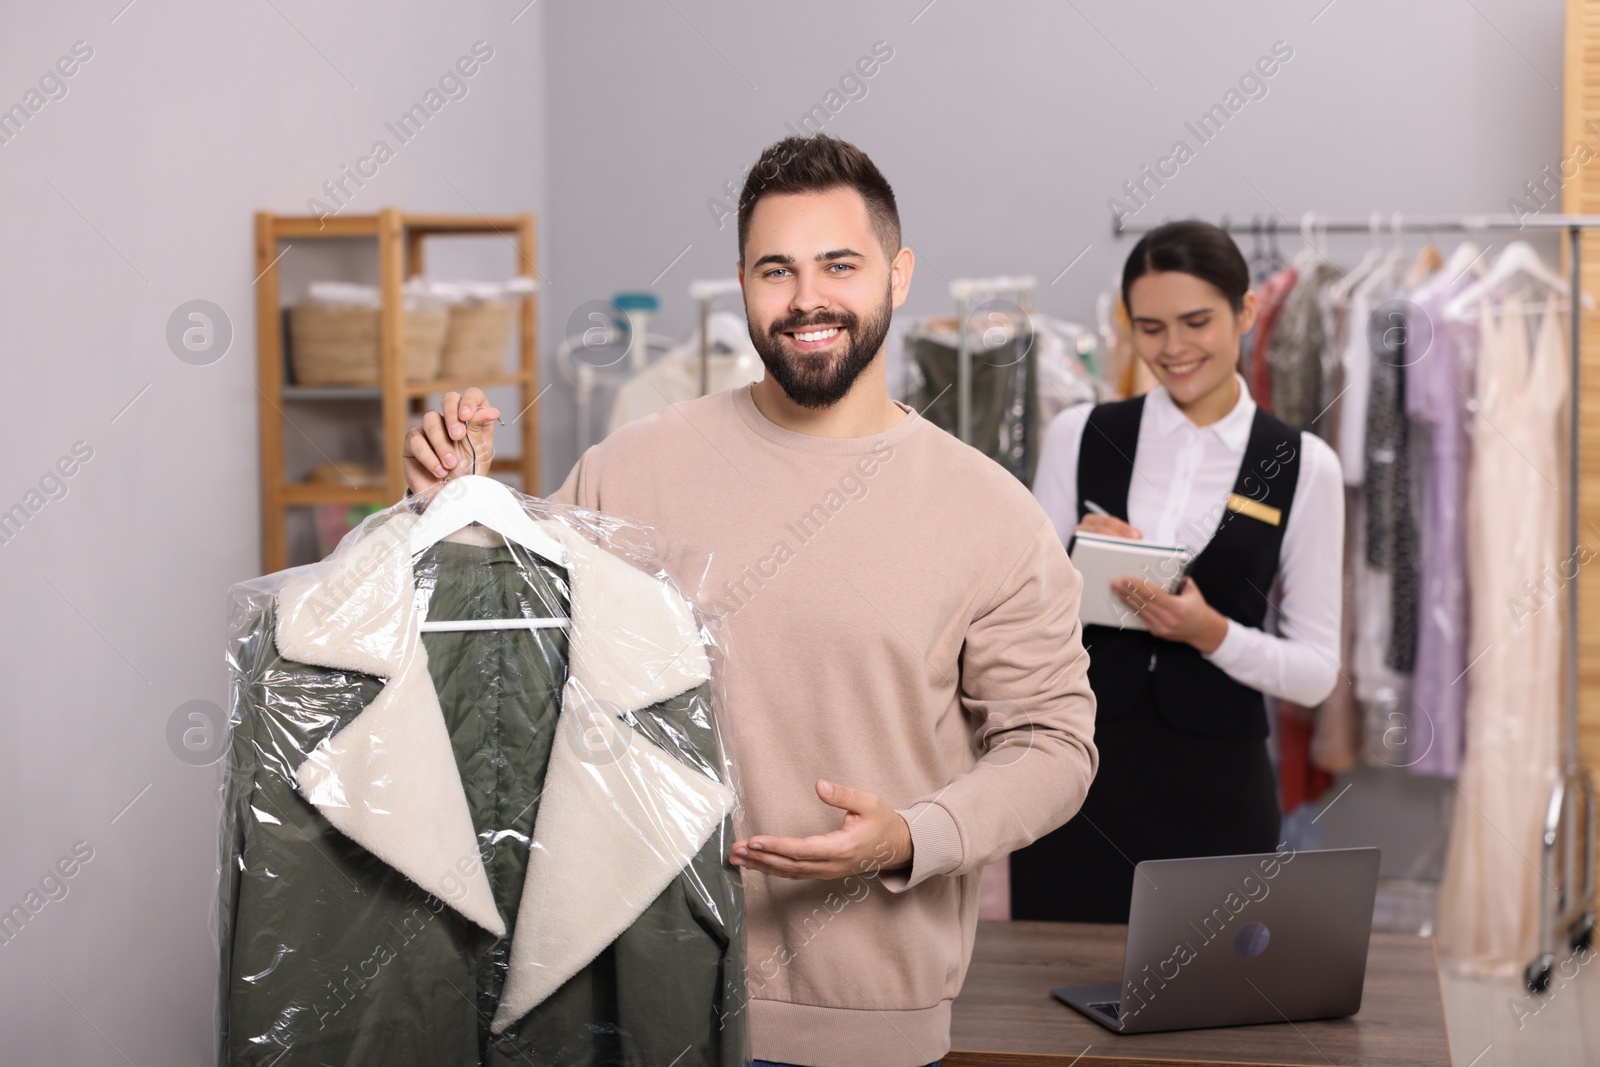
<point>1025,686</point>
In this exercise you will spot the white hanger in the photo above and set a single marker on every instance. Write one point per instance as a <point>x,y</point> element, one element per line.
<point>1342,289</point>
<point>1390,268</point>
<point>1518,258</point>
<point>1467,254</point>
<point>474,498</point>
<point>1306,259</point>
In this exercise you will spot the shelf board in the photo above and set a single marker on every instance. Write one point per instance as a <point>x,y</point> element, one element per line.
<point>285,226</point>
<point>447,385</point>
<point>367,225</point>
<point>302,494</point>
<point>366,392</point>
<point>331,392</point>
<point>473,224</point>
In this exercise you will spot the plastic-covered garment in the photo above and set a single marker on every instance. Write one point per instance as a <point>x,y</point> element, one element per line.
<point>479,845</point>
<point>1005,393</point>
<point>1490,896</point>
<point>675,377</point>
<point>1437,392</point>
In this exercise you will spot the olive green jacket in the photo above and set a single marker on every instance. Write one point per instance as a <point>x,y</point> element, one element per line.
<point>498,846</point>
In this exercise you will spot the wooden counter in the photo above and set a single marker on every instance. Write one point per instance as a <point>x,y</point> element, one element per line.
<point>1006,1017</point>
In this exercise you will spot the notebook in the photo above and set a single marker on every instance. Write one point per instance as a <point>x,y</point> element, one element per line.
<point>1102,559</point>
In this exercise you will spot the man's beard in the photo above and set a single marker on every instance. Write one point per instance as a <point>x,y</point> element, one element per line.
<point>818,381</point>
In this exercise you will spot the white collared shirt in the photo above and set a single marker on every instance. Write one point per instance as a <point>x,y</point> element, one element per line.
<point>1182,475</point>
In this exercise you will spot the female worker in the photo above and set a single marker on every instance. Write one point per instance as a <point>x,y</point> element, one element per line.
<point>1181,722</point>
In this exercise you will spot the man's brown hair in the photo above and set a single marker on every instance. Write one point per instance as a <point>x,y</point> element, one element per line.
<point>817,164</point>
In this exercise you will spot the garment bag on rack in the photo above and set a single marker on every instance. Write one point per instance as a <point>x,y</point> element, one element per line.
<point>994,337</point>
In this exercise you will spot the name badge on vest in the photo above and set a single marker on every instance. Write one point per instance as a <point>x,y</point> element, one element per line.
<point>1243,505</point>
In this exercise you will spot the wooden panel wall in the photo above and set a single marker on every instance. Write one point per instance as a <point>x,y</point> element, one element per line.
<point>1581,195</point>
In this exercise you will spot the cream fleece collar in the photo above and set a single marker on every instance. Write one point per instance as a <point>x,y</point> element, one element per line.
<point>618,818</point>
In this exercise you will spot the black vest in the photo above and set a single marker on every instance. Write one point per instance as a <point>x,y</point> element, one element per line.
<point>1235,571</point>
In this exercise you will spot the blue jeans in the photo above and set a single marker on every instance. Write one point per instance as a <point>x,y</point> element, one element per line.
<point>769,1063</point>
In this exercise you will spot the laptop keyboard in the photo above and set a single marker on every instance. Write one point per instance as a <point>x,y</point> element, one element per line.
<point>1108,1008</point>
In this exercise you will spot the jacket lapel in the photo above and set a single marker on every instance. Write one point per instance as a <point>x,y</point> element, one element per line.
<point>388,780</point>
<point>618,818</point>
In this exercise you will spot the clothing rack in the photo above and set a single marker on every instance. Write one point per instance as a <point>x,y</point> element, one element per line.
<point>1571,909</point>
<point>703,291</point>
<point>967,292</point>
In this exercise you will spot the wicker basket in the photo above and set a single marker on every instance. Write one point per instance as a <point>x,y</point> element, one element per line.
<point>332,344</point>
<point>475,344</point>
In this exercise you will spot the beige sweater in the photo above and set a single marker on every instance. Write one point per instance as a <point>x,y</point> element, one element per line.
<point>900,617</point>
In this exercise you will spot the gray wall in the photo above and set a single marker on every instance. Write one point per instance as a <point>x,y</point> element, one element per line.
<point>125,198</point>
<point>1005,127</point>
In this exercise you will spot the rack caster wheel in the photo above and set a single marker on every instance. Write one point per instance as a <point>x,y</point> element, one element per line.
<point>1536,976</point>
<point>1581,933</point>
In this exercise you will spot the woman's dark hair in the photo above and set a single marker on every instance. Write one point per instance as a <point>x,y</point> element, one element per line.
<point>1192,247</point>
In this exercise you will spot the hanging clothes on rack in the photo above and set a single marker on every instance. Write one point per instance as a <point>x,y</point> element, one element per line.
<point>1292,348</point>
<point>1439,383</point>
<point>1391,539</point>
<point>1270,296</point>
<point>1297,350</point>
<point>675,377</point>
<point>1490,897</point>
<point>1005,389</point>
<point>1336,743</point>
<point>1068,370</point>
<point>1383,693</point>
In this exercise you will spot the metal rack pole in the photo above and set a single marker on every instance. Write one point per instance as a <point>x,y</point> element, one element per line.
<point>1412,224</point>
<point>966,292</point>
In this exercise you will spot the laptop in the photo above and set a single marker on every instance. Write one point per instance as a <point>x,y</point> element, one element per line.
<point>1232,940</point>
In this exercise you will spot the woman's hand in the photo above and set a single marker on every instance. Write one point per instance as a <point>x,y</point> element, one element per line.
<point>438,450</point>
<point>1182,616</point>
<point>1107,526</point>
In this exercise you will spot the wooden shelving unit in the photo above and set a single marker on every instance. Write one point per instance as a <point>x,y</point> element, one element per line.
<point>399,238</point>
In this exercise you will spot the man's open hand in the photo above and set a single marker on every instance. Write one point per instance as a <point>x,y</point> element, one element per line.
<point>438,450</point>
<point>869,824</point>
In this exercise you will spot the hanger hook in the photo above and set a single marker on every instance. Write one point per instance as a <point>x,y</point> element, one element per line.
<point>472,449</point>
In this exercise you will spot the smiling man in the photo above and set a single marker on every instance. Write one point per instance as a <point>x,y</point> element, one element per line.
<point>906,680</point>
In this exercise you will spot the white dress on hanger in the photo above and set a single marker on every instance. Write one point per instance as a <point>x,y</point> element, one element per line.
<point>1490,897</point>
